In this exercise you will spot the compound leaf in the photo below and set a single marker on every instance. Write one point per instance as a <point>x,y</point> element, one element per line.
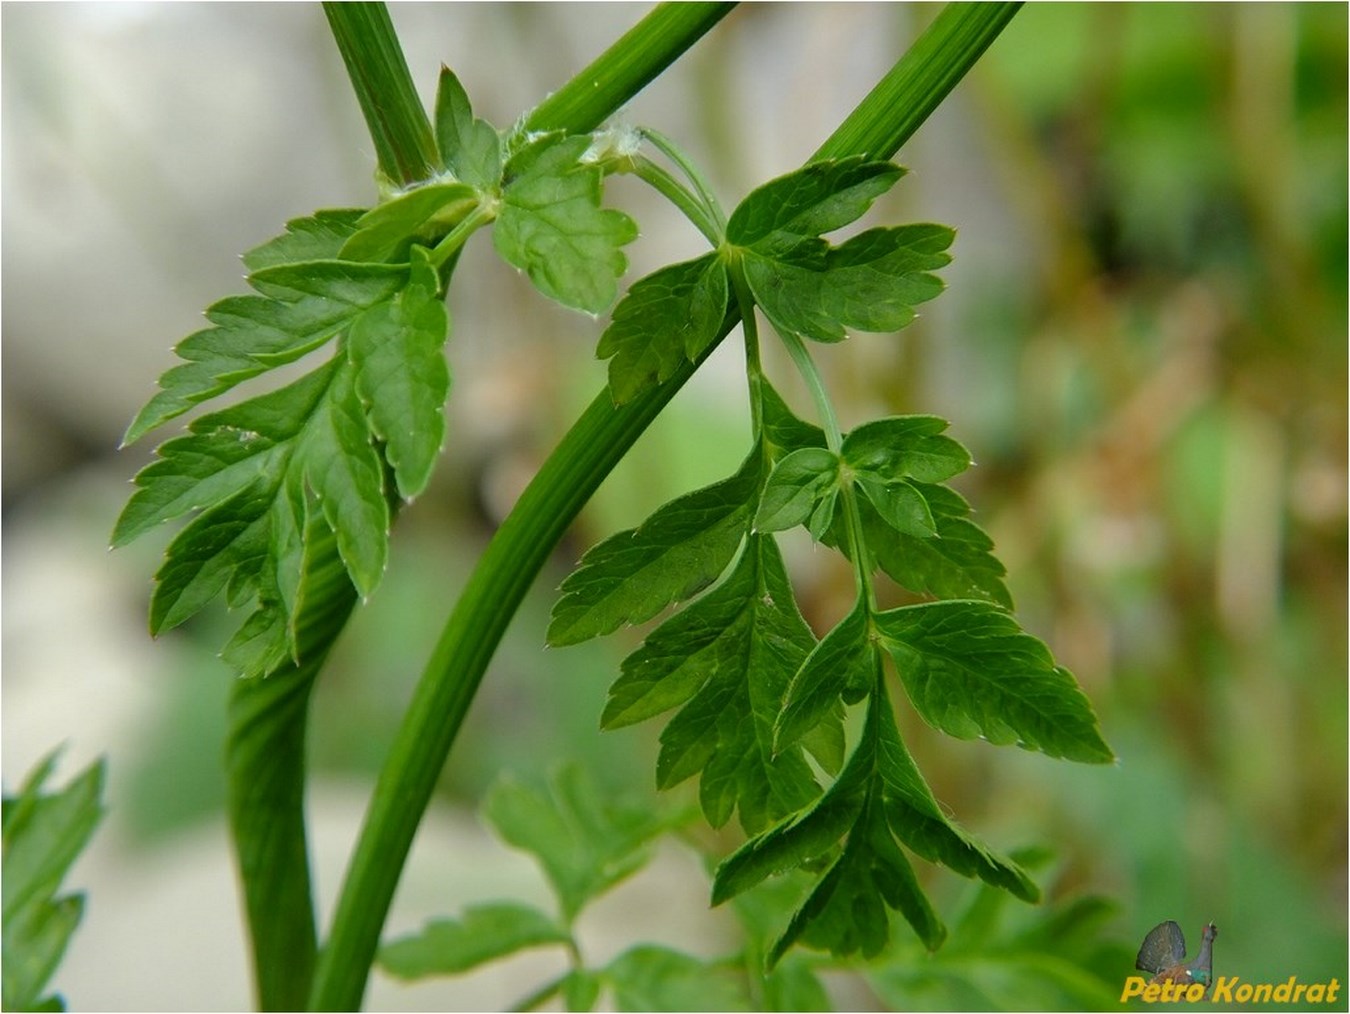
<point>732,654</point>
<point>679,550</point>
<point>552,227</point>
<point>667,317</point>
<point>483,933</point>
<point>970,670</point>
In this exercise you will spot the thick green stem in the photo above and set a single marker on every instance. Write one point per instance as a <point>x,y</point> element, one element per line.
<point>404,142</point>
<point>586,455</point>
<point>624,69</point>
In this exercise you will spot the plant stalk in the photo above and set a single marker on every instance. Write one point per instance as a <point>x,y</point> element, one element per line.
<point>405,144</point>
<point>581,461</point>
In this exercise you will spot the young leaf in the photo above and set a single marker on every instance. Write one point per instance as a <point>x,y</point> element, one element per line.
<point>402,376</point>
<point>804,482</point>
<point>870,283</point>
<point>732,654</point>
<point>302,307</point>
<point>482,934</point>
<point>470,148</point>
<point>651,978</point>
<point>816,199</point>
<point>971,671</point>
<point>422,215</point>
<point>584,843</point>
<point>906,446</point>
<point>43,835</point>
<point>679,550</point>
<point>667,317</point>
<point>552,227</point>
<point>900,504</point>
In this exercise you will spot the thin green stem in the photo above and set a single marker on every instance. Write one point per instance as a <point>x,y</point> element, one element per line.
<point>754,368</point>
<point>405,144</point>
<point>834,439</point>
<point>518,550</point>
<point>673,152</point>
<point>455,239</point>
<point>675,192</point>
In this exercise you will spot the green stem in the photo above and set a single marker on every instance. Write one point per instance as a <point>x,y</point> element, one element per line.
<point>672,151</point>
<point>672,190</point>
<point>454,240</point>
<point>626,67</point>
<point>520,547</point>
<point>405,144</point>
<point>915,86</point>
<point>834,438</point>
<point>754,368</point>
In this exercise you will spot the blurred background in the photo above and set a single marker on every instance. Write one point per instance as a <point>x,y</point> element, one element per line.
<point>1143,343</point>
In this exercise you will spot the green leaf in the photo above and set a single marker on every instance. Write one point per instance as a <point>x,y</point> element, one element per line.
<point>729,657</point>
<point>482,934</point>
<point>958,564</point>
<point>667,317</point>
<point>43,835</point>
<point>552,227</point>
<point>422,215</point>
<point>469,147</point>
<point>971,671</point>
<point>846,912</point>
<point>316,238</point>
<point>906,446</point>
<point>344,471</point>
<point>679,550</point>
<point>870,283</point>
<point>917,820</point>
<point>816,199</point>
<point>584,843</point>
<point>840,666</point>
<point>581,989</point>
<point>651,978</point>
<point>303,307</point>
<point>900,504</point>
<point>783,432</point>
<point>803,484</point>
<point>402,376</point>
